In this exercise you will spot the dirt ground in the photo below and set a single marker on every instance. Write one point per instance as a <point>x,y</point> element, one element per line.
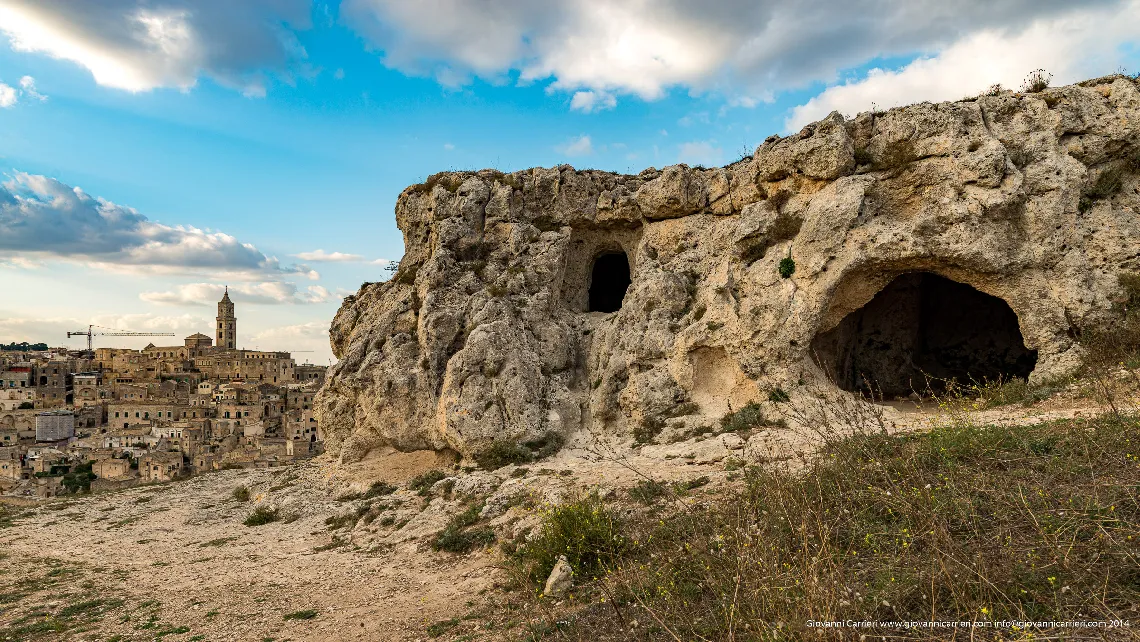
<point>175,561</point>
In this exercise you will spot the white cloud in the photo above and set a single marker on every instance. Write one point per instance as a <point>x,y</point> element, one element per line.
<point>329,257</point>
<point>448,147</point>
<point>139,46</point>
<point>701,152</point>
<point>592,101</point>
<point>43,217</point>
<point>1071,48</point>
<point>7,96</point>
<point>266,293</point>
<point>743,48</point>
<point>338,74</point>
<point>28,84</point>
<point>580,146</point>
<point>308,341</point>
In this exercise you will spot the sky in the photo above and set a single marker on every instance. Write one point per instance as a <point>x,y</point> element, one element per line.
<point>154,152</point>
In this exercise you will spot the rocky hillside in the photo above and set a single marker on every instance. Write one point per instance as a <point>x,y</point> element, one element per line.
<point>975,239</point>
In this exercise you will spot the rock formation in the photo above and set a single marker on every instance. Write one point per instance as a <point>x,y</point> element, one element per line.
<point>973,238</point>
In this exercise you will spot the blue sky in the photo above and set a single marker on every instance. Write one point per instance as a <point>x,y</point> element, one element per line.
<point>215,145</point>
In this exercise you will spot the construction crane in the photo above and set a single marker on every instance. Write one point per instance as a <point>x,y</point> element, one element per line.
<point>122,333</point>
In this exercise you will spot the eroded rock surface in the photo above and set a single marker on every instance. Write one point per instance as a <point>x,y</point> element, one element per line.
<point>485,334</point>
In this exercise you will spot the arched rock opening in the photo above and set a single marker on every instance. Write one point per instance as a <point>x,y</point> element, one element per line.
<point>609,280</point>
<point>924,326</point>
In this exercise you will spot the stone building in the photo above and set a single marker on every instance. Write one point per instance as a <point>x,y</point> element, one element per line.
<point>55,426</point>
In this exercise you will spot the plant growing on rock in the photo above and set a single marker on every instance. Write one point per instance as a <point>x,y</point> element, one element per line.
<point>786,268</point>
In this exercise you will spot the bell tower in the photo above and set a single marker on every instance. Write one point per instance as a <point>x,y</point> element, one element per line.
<point>226,336</point>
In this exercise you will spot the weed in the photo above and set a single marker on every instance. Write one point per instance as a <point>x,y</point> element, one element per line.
<point>648,491</point>
<point>459,537</point>
<point>422,484</point>
<point>586,531</point>
<point>750,417</point>
<point>1038,80</point>
<point>648,429</point>
<point>439,628</point>
<point>786,268</point>
<point>1108,182</point>
<point>261,515</point>
<point>306,614</point>
<point>241,494</point>
<point>778,395</point>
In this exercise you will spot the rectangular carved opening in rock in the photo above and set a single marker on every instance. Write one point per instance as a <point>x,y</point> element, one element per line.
<point>598,269</point>
<point>924,330</point>
<point>609,281</point>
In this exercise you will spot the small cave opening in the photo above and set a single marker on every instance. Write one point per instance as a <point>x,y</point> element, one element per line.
<point>609,280</point>
<point>920,332</point>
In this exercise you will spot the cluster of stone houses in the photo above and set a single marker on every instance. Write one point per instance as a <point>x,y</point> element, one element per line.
<point>134,416</point>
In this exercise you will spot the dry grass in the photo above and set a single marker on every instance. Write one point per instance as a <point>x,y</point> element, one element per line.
<point>965,522</point>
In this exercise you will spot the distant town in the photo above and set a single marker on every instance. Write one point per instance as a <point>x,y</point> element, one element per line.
<point>105,418</point>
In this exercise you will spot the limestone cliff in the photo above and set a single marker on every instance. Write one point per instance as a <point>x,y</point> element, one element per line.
<point>913,235</point>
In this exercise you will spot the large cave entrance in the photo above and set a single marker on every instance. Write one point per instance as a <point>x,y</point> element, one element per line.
<point>921,331</point>
<point>608,282</point>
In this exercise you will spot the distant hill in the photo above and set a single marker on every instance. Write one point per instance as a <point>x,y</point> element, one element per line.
<point>24,346</point>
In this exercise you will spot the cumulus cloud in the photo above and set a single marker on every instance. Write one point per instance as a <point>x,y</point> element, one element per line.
<point>592,101</point>
<point>141,45</point>
<point>982,59</point>
<point>329,257</point>
<point>7,96</point>
<point>41,216</point>
<point>265,293</point>
<point>644,47</point>
<point>580,146</point>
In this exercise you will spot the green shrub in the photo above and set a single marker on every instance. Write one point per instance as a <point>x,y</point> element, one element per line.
<point>778,395</point>
<point>648,491</point>
<point>750,417</point>
<point>459,537</point>
<point>648,429</point>
<point>586,531</point>
<point>379,489</point>
<point>422,483</point>
<point>503,452</point>
<point>261,515</point>
<point>241,494</point>
<point>786,268</point>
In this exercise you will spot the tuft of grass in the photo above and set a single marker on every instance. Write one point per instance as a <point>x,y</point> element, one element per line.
<point>1109,181</point>
<point>505,452</point>
<point>1038,80</point>
<point>241,494</point>
<point>262,515</point>
<point>459,537</point>
<point>750,417</point>
<point>441,627</point>
<point>422,484</point>
<point>306,614</point>
<point>778,395</point>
